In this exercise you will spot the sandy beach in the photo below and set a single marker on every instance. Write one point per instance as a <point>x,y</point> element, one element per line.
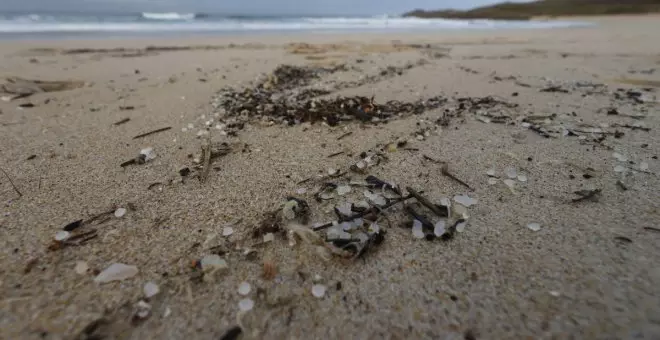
<point>552,134</point>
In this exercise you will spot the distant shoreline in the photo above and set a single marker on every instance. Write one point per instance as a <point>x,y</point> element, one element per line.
<point>550,9</point>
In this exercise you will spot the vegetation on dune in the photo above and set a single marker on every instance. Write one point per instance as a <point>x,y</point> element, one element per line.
<point>545,8</point>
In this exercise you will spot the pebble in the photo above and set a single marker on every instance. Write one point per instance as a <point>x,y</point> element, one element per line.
<point>213,262</point>
<point>62,236</point>
<point>439,229</point>
<point>116,272</point>
<point>150,289</point>
<point>534,226</point>
<point>512,173</point>
<point>120,212</point>
<point>465,200</point>
<point>318,290</point>
<point>227,231</point>
<point>246,305</point>
<point>417,230</point>
<point>244,288</point>
<point>81,267</point>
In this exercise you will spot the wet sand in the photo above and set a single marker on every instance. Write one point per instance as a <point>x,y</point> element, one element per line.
<point>590,272</point>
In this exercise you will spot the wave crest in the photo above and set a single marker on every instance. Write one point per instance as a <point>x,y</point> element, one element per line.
<point>169,16</point>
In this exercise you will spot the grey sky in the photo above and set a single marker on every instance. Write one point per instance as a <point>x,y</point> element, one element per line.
<point>242,6</point>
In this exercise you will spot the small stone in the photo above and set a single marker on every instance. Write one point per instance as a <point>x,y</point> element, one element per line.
<point>522,178</point>
<point>534,226</point>
<point>245,305</point>
<point>269,237</point>
<point>492,181</point>
<point>509,183</point>
<point>439,228</point>
<point>116,272</point>
<point>619,168</point>
<point>460,227</point>
<point>491,173</point>
<point>213,262</point>
<point>343,189</point>
<point>150,289</point>
<point>619,157</point>
<point>373,228</point>
<point>417,230</point>
<point>465,200</point>
<point>148,154</point>
<point>332,171</point>
<point>644,166</point>
<point>62,236</point>
<point>375,198</point>
<point>301,191</point>
<point>345,209</point>
<point>167,312</point>
<point>555,293</point>
<point>525,124</point>
<point>318,290</point>
<point>511,172</point>
<point>120,212</point>
<point>244,288</point>
<point>143,309</point>
<point>227,231</point>
<point>81,267</point>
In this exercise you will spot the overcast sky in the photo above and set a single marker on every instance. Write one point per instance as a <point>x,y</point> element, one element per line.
<point>252,7</point>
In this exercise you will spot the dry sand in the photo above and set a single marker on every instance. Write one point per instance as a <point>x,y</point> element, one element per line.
<point>591,272</point>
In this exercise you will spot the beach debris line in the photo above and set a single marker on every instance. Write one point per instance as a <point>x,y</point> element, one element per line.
<point>21,88</point>
<point>280,99</point>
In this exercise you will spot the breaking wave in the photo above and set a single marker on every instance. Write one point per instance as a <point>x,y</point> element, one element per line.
<point>169,16</point>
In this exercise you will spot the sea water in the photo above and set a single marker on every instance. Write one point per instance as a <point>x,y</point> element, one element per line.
<point>57,25</point>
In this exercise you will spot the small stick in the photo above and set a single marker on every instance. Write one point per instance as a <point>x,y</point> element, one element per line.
<point>428,158</point>
<point>335,154</point>
<point>127,163</point>
<point>445,171</point>
<point>633,127</point>
<point>425,202</point>
<point>345,135</point>
<point>304,180</point>
<point>121,121</point>
<point>152,132</point>
<point>206,155</point>
<point>652,229</point>
<point>539,131</point>
<point>12,183</point>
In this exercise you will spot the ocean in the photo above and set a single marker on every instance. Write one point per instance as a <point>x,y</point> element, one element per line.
<point>63,25</point>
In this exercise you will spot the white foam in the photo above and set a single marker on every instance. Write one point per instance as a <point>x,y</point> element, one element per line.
<point>168,16</point>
